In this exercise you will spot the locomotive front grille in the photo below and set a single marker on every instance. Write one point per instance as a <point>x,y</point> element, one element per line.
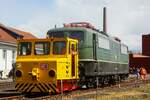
<point>35,87</point>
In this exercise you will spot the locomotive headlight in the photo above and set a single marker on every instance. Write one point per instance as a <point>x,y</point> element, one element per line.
<point>51,73</point>
<point>18,73</point>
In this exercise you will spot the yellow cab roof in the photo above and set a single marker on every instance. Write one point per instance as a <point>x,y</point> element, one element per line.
<point>47,39</point>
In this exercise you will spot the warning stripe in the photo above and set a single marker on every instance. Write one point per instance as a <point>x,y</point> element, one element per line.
<point>26,90</point>
<point>32,87</point>
<point>27,87</point>
<point>39,88</point>
<point>48,88</point>
<point>24,86</point>
<point>19,86</point>
<point>54,85</point>
<point>42,87</point>
<point>54,89</point>
<point>16,85</point>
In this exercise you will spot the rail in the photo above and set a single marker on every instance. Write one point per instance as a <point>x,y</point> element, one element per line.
<point>12,98</point>
<point>131,83</point>
<point>93,91</point>
<point>7,85</point>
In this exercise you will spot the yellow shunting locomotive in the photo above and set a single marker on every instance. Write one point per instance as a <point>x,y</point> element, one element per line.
<point>41,64</point>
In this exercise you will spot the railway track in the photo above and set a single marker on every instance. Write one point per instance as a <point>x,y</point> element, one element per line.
<point>81,93</point>
<point>93,91</point>
<point>7,85</point>
<point>12,98</point>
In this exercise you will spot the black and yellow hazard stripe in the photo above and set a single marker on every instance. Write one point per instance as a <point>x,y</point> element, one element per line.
<point>25,90</point>
<point>18,86</point>
<point>47,87</point>
<point>28,87</point>
<point>53,87</point>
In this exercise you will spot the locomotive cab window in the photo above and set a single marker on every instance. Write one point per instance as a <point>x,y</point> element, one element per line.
<point>58,34</point>
<point>42,48</point>
<point>59,48</point>
<point>79,35</point>
<point>73,48</point>
<point>24,48</point>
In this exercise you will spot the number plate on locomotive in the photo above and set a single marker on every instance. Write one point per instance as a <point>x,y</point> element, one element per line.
<point>44,66</point>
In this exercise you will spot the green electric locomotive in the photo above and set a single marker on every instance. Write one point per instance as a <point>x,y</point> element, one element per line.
<point>102,57</point>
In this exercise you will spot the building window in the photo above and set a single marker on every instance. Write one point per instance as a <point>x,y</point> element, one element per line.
<point>4,54</point>
<point>13,54</point>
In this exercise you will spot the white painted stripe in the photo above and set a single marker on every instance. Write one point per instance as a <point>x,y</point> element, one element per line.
<point>101,61</point>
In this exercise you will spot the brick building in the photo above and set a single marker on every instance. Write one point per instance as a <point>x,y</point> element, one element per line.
<point>146,45</point>
<point>142,60</point>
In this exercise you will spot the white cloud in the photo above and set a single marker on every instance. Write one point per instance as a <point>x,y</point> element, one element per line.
<point>127,19</point>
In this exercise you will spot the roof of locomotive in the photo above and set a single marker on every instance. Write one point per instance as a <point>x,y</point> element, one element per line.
<point>67,29</point>
<point>77,29</point>
<point>85,30</point>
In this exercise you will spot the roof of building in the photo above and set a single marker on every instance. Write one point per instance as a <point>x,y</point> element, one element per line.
<point>26,35</point>
<point>10,35</point>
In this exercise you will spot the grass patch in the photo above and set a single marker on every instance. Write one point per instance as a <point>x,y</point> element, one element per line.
<point>138,93</point>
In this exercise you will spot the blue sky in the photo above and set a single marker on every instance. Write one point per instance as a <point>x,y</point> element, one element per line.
<point>15,12</point>
<point>127,19</point>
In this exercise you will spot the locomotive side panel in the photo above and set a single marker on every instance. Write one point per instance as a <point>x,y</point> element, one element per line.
<point>86,49</point>
<point>110,60</point>
<point>125,59</point>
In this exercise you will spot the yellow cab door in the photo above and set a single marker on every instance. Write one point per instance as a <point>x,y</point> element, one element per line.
<point>74,59</point>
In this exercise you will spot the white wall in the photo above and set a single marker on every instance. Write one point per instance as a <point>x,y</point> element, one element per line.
<point>9,59</point>
<point>6,64</point>
<point>2,61</point>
